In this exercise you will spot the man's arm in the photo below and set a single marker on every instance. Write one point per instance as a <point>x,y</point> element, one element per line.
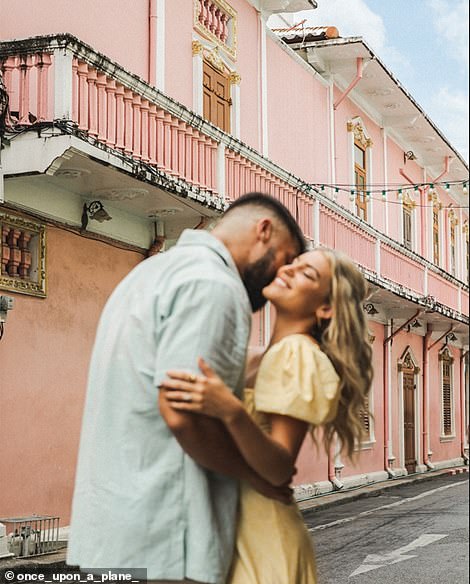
<point>202,323</point>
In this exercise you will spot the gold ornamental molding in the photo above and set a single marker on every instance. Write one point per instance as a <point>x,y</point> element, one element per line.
<point>465,227</point>
<point>359,134</point>
<point>446,355</point>
<point>22,255</point>
<point>235,78</point>
<point>406,363</point>
<point>408,201</point>
<point>227,41</point>
<point>433,198</point>
<point>453,218</point>
<point>198,49</point>
<point>213,57</point>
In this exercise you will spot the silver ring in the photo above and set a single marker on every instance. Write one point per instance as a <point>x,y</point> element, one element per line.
<point>188,397</point>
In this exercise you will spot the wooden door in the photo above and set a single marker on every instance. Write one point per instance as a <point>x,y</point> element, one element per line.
<point>217,99</point>
<point>409,419</point>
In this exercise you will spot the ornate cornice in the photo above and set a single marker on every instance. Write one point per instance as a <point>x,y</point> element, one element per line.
<point>359,134</point>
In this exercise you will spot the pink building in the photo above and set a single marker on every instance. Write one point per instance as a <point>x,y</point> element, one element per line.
<point>123,131</point>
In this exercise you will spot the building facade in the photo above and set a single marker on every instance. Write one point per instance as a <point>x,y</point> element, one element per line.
<point>121,132</point>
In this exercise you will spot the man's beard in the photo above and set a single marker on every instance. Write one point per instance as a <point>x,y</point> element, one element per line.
<point>257,276</point>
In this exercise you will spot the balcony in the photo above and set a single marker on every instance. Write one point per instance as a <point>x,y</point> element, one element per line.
<point>68,100</point>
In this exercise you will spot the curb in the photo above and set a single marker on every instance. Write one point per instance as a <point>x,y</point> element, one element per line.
<point>373,490</point>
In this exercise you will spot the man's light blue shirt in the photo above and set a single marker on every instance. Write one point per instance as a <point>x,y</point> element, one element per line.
<point>140,501</point>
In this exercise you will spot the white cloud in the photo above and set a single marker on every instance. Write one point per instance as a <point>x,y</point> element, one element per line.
<point>451,108</point>
<point>352,18</point>
<point>356,18</point>
<point>451,23</point>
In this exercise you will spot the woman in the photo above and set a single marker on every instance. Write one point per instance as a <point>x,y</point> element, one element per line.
<point>316,372</point>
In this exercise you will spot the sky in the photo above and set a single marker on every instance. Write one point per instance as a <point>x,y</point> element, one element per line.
<point>424,43</point>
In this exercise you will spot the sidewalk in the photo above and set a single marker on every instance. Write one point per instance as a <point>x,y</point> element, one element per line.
<point>55,563</point>
<point>345,496</point>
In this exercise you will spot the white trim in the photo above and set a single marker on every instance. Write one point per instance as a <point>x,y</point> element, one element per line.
<point>370,181</point>
<point>447,437</point>
<point>235,110</point>
<point>63,87</point>
<point>352,204</point>
<point>198,83</point>
<point>332,135</point>
<point>160,60</point>
<point>385,170</point>
<point>263,87</point>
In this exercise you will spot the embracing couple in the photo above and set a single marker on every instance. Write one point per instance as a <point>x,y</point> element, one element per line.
<point>187,451</point>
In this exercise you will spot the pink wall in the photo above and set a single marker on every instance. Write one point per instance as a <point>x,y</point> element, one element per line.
<point>247,65</point>
<point>178,52</point>
<point>44,355</point>
<point>117,28</point>
<point>297,117</point>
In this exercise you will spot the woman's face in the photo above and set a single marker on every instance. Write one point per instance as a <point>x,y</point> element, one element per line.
<point>302,288</point>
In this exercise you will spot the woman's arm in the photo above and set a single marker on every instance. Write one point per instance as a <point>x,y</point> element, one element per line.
<point>271,456</point>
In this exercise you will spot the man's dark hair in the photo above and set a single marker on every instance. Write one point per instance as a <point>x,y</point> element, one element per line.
<point>277,209</point>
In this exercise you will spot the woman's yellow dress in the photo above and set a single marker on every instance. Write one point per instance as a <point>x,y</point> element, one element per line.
<point>296,379</point>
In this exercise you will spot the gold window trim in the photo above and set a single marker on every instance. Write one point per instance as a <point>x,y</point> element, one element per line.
<point>21,285</point>
<point>359,134</point>
<point>231,50</point>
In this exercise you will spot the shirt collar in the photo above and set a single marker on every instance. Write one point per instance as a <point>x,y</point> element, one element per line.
<point>201,237</point>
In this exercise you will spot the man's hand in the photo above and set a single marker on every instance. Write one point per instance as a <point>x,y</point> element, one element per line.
<point>283,494</point>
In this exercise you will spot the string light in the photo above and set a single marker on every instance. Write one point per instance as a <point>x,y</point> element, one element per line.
<point>465,188</point>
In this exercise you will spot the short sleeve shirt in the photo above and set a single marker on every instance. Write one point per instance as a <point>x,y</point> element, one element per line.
<point>139,500</point>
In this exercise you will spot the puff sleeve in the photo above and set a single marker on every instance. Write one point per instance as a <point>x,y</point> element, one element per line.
<point>297,379</point>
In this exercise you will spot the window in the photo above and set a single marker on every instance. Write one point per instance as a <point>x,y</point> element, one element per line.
<point>365,419</point>
<point>216,97</point>
<point>23,255</point>
<point>452,249</point>
<point>360,179</point>
<point>435,235</point>
<point>407,226</point>
<point>447,391</point>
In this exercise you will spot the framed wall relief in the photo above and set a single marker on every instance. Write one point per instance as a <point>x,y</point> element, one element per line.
<point>23,255</point>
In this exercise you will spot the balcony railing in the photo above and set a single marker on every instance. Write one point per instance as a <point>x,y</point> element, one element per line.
<point>60,78</point>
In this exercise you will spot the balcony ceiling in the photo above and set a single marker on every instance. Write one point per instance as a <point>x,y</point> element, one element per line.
<point>387,102</point>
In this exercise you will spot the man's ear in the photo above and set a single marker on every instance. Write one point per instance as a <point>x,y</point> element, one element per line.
<point>264,230</point>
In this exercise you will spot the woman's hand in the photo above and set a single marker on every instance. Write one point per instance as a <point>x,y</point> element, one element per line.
<point>203,394</point>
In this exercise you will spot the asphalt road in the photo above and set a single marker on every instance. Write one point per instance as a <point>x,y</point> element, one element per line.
<point>415,533</point>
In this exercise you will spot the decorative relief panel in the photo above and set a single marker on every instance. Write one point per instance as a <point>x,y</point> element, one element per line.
<point>216,20</point>
<point>23,255</point>
<point>359,134</point>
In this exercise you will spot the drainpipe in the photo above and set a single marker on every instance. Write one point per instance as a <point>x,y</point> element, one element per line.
<point>354,82</point>
<point>337,484</point>
<point>445,171</point>
<point>152,41</point>
<point>391,473</point>
<point>426,460</point>
<point>462,406</point>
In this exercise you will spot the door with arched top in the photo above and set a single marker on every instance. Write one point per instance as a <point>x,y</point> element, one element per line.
<point>409,418</point>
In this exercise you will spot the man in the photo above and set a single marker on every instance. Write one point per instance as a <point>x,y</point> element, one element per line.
<point>155,488</point>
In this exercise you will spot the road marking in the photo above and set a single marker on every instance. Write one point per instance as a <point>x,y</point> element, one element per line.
<point>389,506</point>
<point>375,561</point>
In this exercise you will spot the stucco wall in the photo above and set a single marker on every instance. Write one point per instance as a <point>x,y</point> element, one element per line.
<point>117,28</point>
<point>44,360</point>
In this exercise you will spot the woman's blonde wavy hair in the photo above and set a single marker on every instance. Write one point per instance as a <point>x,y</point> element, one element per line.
<point>345,340</point>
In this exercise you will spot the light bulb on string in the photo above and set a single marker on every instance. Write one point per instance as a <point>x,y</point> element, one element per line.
<point>465,188</point>
<point>447,188</point>
<point>384,195</point>
<point>400,194</point>
<point>352,196</point>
